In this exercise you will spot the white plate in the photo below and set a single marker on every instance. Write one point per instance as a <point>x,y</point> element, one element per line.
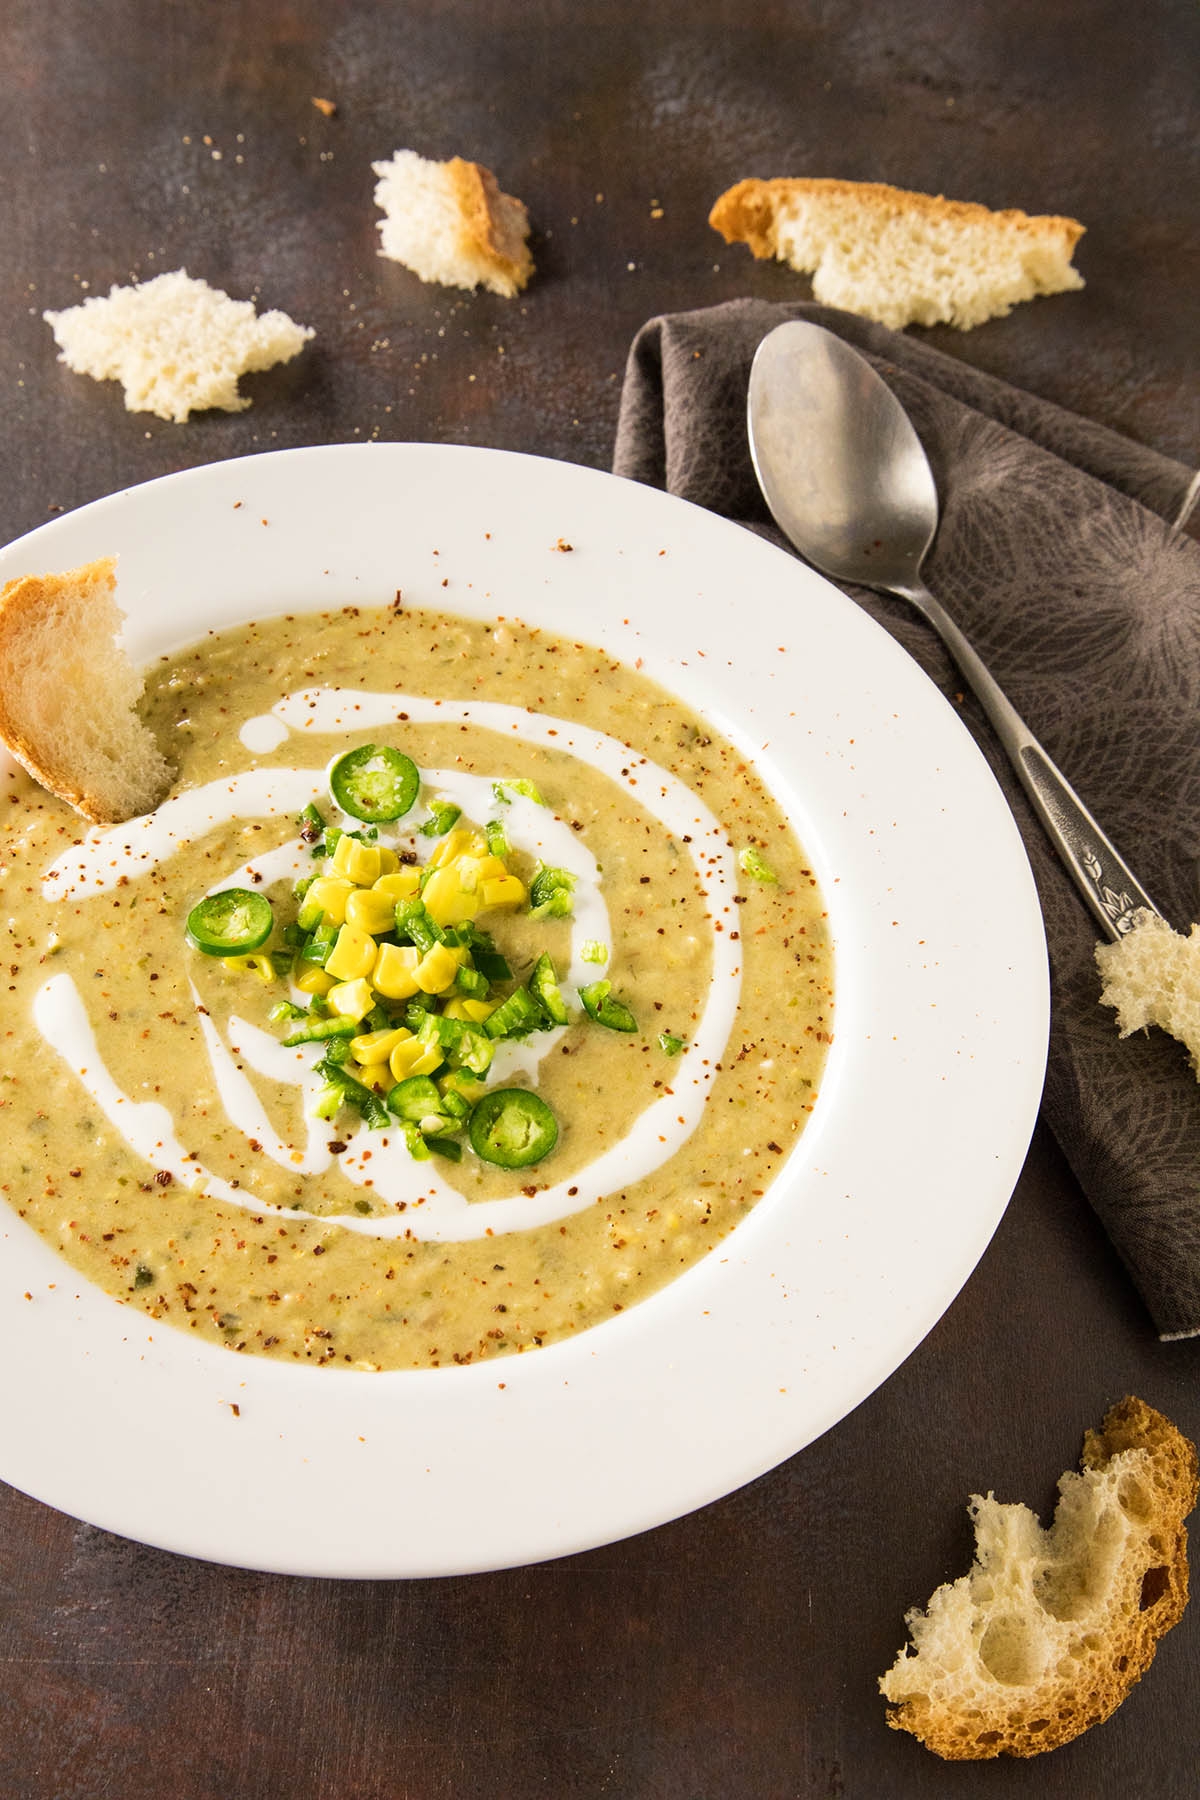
<point>881,1213</point>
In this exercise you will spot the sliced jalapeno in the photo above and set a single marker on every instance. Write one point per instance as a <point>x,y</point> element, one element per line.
<point>512,1128</point>
<point>231,923</point>
<point>375,783</point>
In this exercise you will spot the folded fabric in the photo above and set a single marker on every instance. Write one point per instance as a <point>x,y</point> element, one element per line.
<point>1060,554</point>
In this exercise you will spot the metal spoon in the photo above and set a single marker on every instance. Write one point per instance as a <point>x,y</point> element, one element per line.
<point>845,476</point>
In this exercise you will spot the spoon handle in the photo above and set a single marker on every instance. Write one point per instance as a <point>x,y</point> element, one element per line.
<point>1104,880</point>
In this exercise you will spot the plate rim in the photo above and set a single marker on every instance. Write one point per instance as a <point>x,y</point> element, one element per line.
<point>237,1536</point>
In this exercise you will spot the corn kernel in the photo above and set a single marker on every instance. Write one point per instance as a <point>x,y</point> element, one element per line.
<point>330,893</point>
<point>359,862</point>
<point>399,884</point>
<point>370,910</point>
<point>370,1074</point>
<point>447,848</point>
<point>444,897</point>
<point>437,968</point>
<point>503,890</point>
<point>412,1057</point>
<point>394,973</point>
<point>353,954</point>
<point>389,862</point>
<point>374,1047</point>
<point>351,999</point>
<point>314,980</point>
<point>476,1011</point>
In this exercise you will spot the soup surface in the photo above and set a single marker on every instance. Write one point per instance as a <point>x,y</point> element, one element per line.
<point>159,1133</point>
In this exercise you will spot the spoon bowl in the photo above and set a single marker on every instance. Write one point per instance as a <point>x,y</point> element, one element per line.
<point>839,463</point>
<point>847,480</point>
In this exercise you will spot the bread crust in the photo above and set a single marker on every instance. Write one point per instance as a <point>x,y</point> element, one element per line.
<point>1103,1624</point>
<point>59,604</point>
<point>748,212</point>
<point>494,224</point>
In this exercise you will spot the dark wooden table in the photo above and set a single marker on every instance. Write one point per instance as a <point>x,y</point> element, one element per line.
<point>733,1653</point>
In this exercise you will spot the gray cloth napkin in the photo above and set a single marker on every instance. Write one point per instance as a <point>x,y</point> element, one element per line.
<point>1060,554</point>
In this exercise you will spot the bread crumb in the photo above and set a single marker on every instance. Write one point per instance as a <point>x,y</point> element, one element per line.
<point>1151,976</point>
<point>450,224</point>
<point>1051,1629</point>
<point>328,107</point>
<point>176,345</point>
<point>900,257</point>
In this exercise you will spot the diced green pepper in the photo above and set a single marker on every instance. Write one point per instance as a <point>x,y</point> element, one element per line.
<point>519,1014</point>
<point>543,985</point>
<point>755,866</point>
<point>317,1030</point>
<point>354,1093</point>
<point>442,817</point>
<point>518,784</point>
<point>600,1005</point>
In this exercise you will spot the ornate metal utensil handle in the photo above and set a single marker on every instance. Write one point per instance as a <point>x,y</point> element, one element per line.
<point>1112,892</point>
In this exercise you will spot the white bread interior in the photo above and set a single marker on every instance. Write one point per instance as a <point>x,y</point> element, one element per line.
<point>176,345</point>
<point>899,257</point>
<point>1151,976</point>
<point>1051,1628</point>
<point>449,223</point>
<point>68,694</point>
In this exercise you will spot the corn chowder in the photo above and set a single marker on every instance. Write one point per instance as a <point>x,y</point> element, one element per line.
<point>466,988</point>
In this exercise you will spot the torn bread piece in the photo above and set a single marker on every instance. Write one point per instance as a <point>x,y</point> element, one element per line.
<point>898,257</point>
<point>69,693</point>
<point>1151,976</point>
<point>1051,1628</point>
<point>449,223</point>
<point>176,345</point>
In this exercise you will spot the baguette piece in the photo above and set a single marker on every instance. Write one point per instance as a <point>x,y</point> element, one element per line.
<point>449,223</point>
<point>1051,1629</point>
<point>68,694</point>
<point>176,345</point>
<point>1151,976</point>
<point>900,257</point>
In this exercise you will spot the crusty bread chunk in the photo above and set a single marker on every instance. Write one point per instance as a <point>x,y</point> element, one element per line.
<point>899,257</point>
<point>449,223</point>
<point>1152,977</point>
<point>68,693</point>
<point>176,345</point>
<point>1051,1628</point>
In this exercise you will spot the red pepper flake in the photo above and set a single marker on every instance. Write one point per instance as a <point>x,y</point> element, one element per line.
<point>164,1177</point>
